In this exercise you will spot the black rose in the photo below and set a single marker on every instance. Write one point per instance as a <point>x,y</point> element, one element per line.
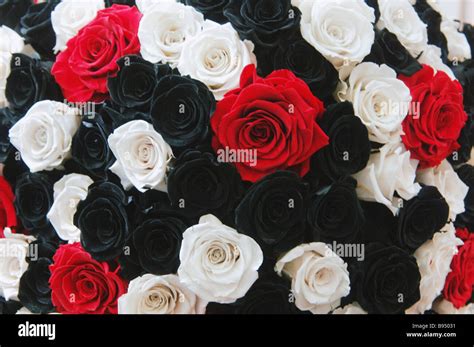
<point>211,9</point>
<point>296,55</point>
<point>335,214</point>
<point>90,148</point>
<point>103,220</point>
<point>116,117</point>
<point>37,28</point>
<point>419,218</point>
<point>388,50</point>
<point>30,81</point>
<point>181,111</point>
<point>387,281</point>
<point>465,140</point>
<point>264,22</point>
<point>9,307</point>
<point>7,120</point>
<point>11,12</point>
<point>273,212</point>
<point>468,30</point>
<point>464,72</point>
<point>199,184</point>
<point>466,219</point>
<point>375,5</point>
<point>349,149</point>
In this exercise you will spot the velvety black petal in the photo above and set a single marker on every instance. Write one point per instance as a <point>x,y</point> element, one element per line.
<point>466,219</point>
<point>34,291</point>
<point>11,12</point>
<point>9,307</point>
<point>211,9</point>
<point>7,120</point>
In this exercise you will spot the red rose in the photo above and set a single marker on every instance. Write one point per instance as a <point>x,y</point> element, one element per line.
<point>82,69</point>
<point>431,135</point>
<point>80,284</point>
<point>7,209</point>
<point>460,281</point>
<point>273,117</point>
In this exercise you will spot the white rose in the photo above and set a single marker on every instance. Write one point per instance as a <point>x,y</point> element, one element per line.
<point>400,18</point>
<point>458,46</point>
<point>10,42</point>
<point>449,185</point>
<point>434,261</point>
<point>319,277</point>
<point>147,5</point>
<point>216,56</point>
<point>5,59</point>
<point>14,249</point>
<point>443,306</point>
<point>70,16</point>
<point>432,56</point>
<point>341,30</point>
<point>142,156</point>
<point>380,100</point>
<point>218,263</point>
<point>165,28</point>
<point>150,294</point>
<point>68,191</point>
<point>353,308</point>
<point>388,171</point>
<point>44,135</point>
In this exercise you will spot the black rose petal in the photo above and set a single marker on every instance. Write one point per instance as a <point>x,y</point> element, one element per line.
<point>116,117</point>
<point>109,3</point>
<point>375,5</point>
<point>466,219</point>
<point>30,80</point>
<point>465,140</point>
<point>7,120</point>
<point>379,224</point>
<point>11,12</point>
<point>14,167</point>
<point>419,218</point>
<point>103,220</point>
<point>9,307</point>
<point>211,9</point>
<point>468,30</point>
<point>464,72</point>
<point>273,212</point>
<point>34,291</point>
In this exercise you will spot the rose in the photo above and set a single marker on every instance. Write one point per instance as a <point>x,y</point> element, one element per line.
<point>90,58</point>
<point>459,283</point>
<point>335,214</point>
<point>11,12</point>
<point>273,212</point>
<point>11,43</point>
<point>400,18</point>
<point>7,209</point>
<point>180,111</point>
<point>70,16</point>
<point>272,117</point>
<point>341,31</point>
<point>164,29</point>
<point>116,116</point>
<point>388,50</point>
<point>142,156</point>
<point>434,258</point>
<point>103,221</point>
<point>380,100</point>
<point>458,46</point>
<point>464,72</point>
<point>9,306</point>
<point>29,82</point>
<point>463,154</point>
<point>15,248</point>
<point>212,10</point>
<point>432,56</point>
<point>319,278</point>
<point>199,184</point>
<point>217,263</point>
<point>388,171</point>
<point>349,146</point>
<point>431,133</point>
<point>80,284</point>
<point>37,29</point>
<point>151,294</point>
<point>468,30</point>
<point>221,57</point>
<point>44,135</point>
<point>68,191</point>
<point>443,306</point>
<point>7,119</point>
<point>148,5</point>
<point>387,281</point>
<point>449,185</point>
<point>466,219</point>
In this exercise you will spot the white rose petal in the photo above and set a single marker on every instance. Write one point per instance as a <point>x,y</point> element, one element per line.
<point>341,30</point>
<point>388,171</point>
<point>14,249</point>
<point>150,294</point>
<point>70,16</point>
<point>142,156</point>
<point>319,277</point>
<point>147,5</point>
<point>68,191</point>
<point>400,18</point>
<point>216,56</point>
<point>434,261</point>
<point>10,43</point>
<point>218,263</point>
<point>449,185</point>
<point>380,100</point>
<point>164,30</point>
<point>432,56</point>
<point>458,46</point>
<point>443,306</point>
<point>353,308</point>
<point>44,135</point>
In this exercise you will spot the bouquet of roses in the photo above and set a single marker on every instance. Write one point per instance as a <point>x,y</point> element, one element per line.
<point>235,156</point>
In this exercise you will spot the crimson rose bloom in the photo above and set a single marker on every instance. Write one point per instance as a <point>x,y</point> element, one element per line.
<point>80,284</point>
<point>274,116</point>
<point>90,58</point>
<point>432,135</point>
<point>459,282</point>
<point>7,209</point>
